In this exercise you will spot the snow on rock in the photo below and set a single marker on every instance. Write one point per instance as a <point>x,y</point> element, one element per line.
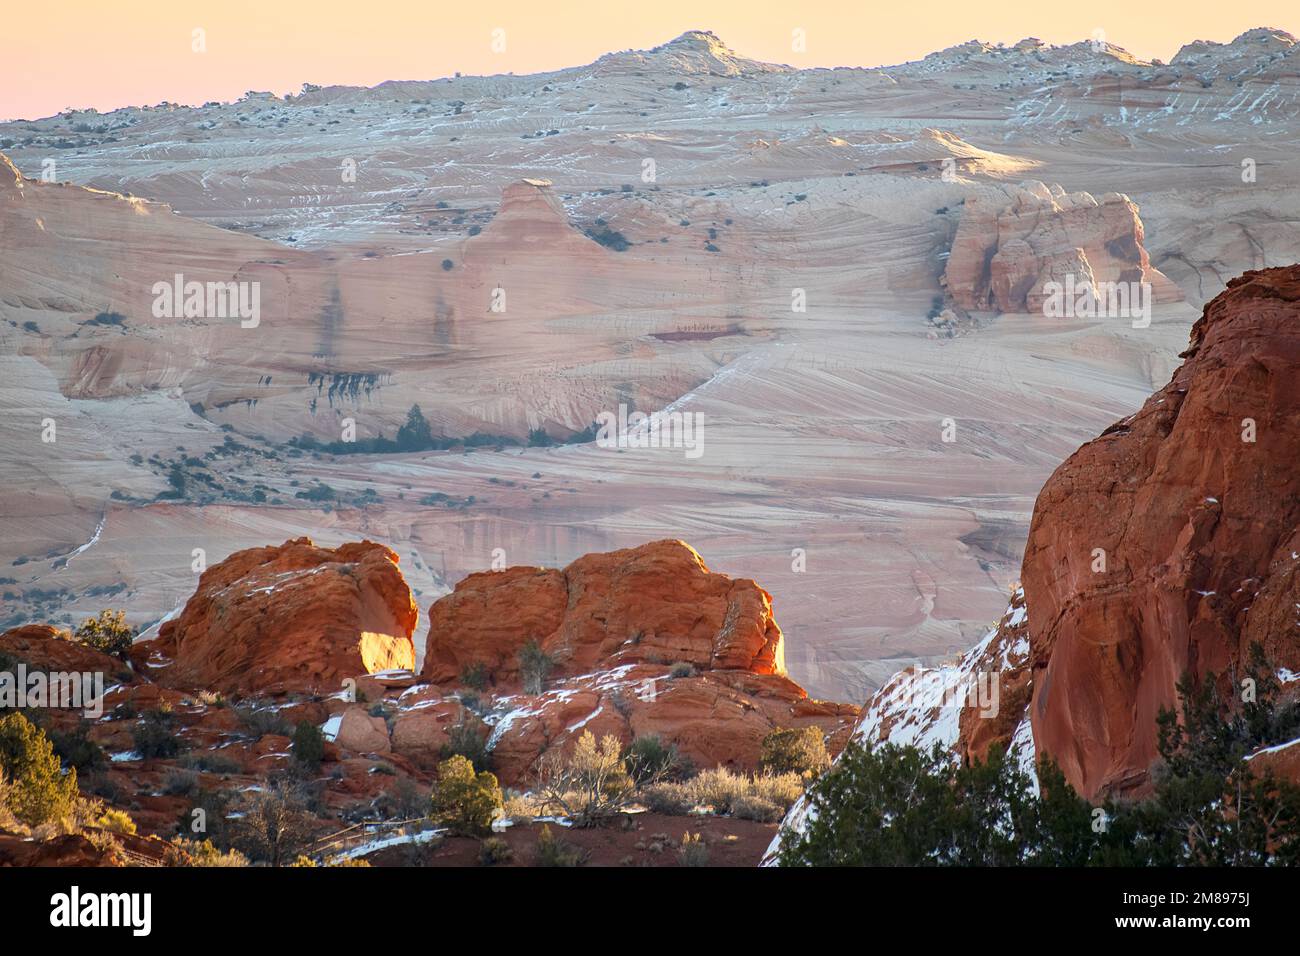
<point>963,707</point>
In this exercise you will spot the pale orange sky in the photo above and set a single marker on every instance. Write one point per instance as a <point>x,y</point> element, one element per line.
<point>81,53</point>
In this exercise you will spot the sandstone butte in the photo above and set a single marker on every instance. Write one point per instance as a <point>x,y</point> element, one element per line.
<point>295,617</point>
<point>1194,502</point>
<point>618,627</point>
<point>657,603</point>
<point>1007,249</point>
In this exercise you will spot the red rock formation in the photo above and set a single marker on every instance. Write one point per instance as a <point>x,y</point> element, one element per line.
<point>362,733</point>
<point>1194,503</point>
<point>1004,658</point>
<point>290,618</point>
<point>78,849</point>
<point>656,603</point>
<point>615,624</point>
<point>1004,252</point>
<point>45,648</point>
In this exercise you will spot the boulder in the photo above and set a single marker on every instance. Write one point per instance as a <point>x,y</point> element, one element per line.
<point>646,640</point>
<point>289,618</point>
<point>360,732</point>
<point>657,603</point>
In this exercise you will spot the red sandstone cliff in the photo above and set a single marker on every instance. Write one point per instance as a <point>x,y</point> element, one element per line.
<point>1194,502</point>
<point>1167,546</point>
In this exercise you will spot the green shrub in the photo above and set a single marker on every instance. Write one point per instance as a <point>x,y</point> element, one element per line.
<point>609,238</point>
<point>682,669</point>
<point>468,740</point>
<point>552,851</point>
<point>308,745</point>
<point>801,751</point>
<point>259,723</point>
<point>155,737</point>
<point>462,800</point>
<point>36,789</point>
<point>76,749</point>
<point>648,759</point>
<point>474,675</point>
<point>495,850</point>
<point>108,633</point>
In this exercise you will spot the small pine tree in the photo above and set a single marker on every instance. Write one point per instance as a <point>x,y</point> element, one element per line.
<point>415,435</point>
<point>308,745</point>
<point>274,825</point>
<point>155,737</point>
<point>649,759</point>
<point>38,791</point>
<point>464,800</point>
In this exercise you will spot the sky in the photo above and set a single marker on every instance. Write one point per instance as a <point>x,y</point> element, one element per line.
<point>93,53</point>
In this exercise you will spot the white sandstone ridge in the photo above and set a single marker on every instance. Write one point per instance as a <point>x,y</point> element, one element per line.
<point>694,53</point>
<point>1266,43</point>
<point>1094,53</point>
<point>963,707</point>
<point>1014,242</point>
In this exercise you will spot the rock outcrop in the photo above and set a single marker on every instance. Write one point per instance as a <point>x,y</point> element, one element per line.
<point>646,640</point>
<point>1007,249</point>
<point>657,603</point>
<point>1170,544</point>
<point>45,648</point>
<point>289,618</point>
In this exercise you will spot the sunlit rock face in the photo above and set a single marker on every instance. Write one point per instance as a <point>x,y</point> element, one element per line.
<point>642,641</point>
<point>289,618</point>
<point>1007,256</point>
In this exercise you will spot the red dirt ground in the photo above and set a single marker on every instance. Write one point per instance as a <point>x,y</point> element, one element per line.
<point>730,842</point>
